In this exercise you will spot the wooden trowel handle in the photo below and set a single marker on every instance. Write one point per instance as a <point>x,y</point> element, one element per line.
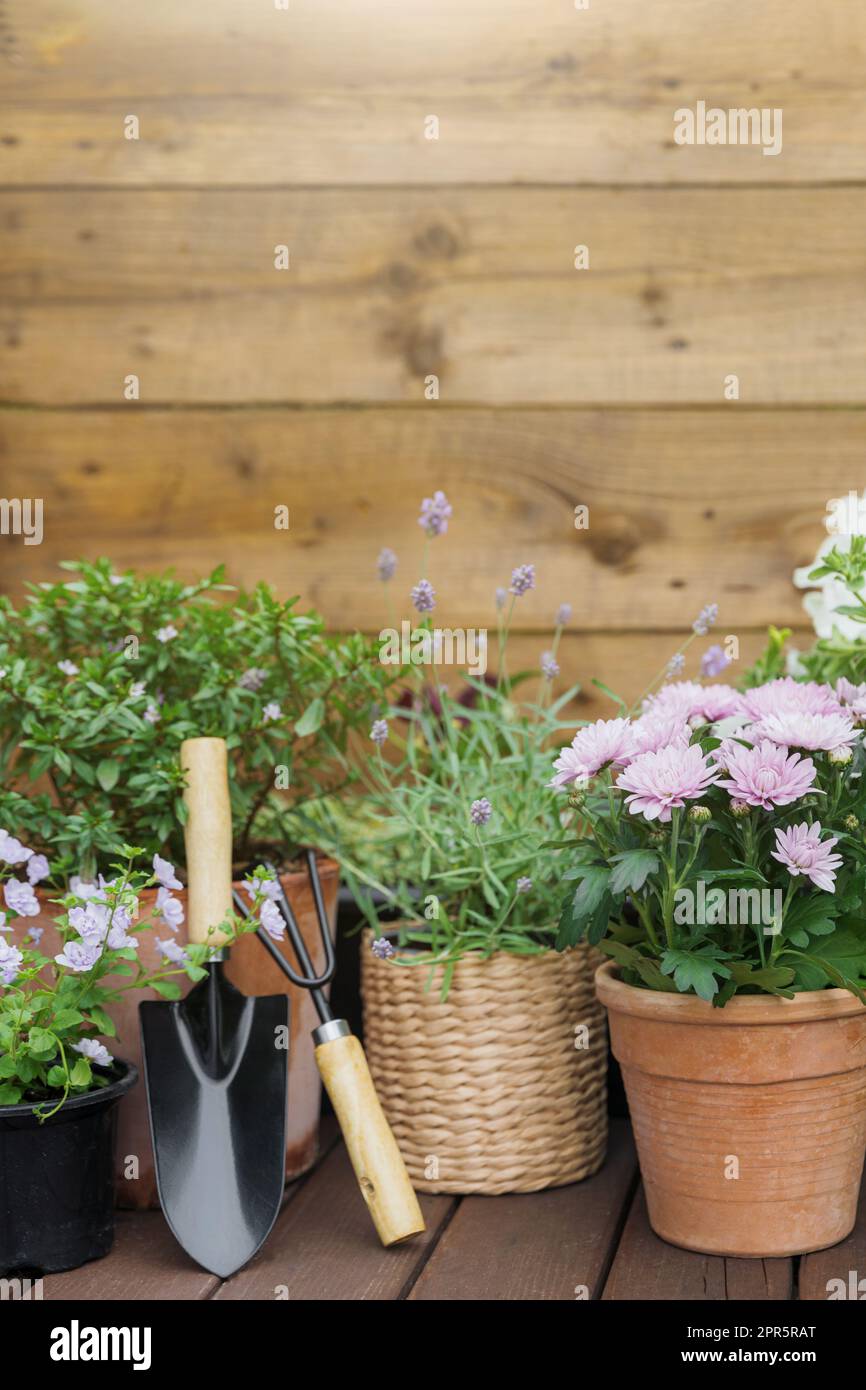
<point>208,837</point>
<point>377,1161</point>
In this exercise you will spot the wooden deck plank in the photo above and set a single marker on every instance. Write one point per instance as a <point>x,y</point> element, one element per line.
<point>646,1267</point>
<point>321,91</point>
<point>146,1264</point>
<point>552,1245</point>
<point>324,1245</point>
<point>477,287</point>
<point>840,1272</point>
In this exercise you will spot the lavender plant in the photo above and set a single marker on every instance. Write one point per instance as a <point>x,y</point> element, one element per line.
<point>104,675</point>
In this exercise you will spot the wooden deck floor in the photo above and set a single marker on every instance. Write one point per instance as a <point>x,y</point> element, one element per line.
<point>589,1240</point>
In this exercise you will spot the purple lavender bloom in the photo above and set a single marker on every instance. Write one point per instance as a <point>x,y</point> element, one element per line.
<point>164,873</point>
<point>272,920</point>
<point>480,811</point>
<point>705,619</point>
<point>37,868</point>
<point>271,712</point>
<point>675,665</point>
<point>424,596</point>
<point>78,956</point>
<point>549,666</point>
<point>379,732</point>
<point>151,715</point>
<point>714,661</point>
<point>524,885</point>
<point>20,898</point>
<point>171,951</point>
<point>501,599</point>
<point>382,948</point>
<point>170,909</point>
<point>522,580</point>
<point>96,1051</point>
<point>253,679</point>
<point>435,512</point>
<point>386,564</point>
<point>563,615</point>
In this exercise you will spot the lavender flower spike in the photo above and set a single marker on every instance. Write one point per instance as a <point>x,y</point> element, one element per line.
<point>382,948</point>
<point>379,732</point>
<point>424,596</point>
<point>435,512</point>
<point>714,661</point>
<point>522,580</point>
<point>501,599</point>
<point>549,666</point>
<point>524,885</point>
<point>705,619</point>
<point>480,811</point>
<point>386,564</point>
<point>563,615</point>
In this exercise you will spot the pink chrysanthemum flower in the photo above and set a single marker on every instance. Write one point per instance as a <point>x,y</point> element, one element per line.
<point>852,697</point>
<point>660,781</point>
<point>802,851</point>
<point>767,775</point>
<point>817,732</point>
<point>657,730</point>
<point>592,748</point>
<point>786,695</point>
<point>701,703</point>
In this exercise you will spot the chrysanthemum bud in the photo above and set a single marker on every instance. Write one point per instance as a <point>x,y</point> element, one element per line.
<point>577,797</point>
<point>839,757</point>
<point>851,823</point>
<point>700,814</point>
<point>740,809</point>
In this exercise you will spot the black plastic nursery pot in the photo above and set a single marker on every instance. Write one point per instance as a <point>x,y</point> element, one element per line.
<point>57,1180</point>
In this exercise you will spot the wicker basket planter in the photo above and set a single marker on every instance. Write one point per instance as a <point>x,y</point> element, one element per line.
<point>488,1092</point>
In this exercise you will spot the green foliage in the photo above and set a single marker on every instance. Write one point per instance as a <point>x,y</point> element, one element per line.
<point>101,744</point>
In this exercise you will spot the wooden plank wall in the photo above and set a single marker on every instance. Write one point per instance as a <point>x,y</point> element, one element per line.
<point>453,258</point>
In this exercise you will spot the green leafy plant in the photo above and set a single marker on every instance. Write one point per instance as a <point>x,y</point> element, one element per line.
<point>104,675</point>
<point>54,1012</point>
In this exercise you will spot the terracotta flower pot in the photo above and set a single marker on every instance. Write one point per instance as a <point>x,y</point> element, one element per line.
<point>253,972</point>
<point>501,1086</point>
<point>750,1120</point>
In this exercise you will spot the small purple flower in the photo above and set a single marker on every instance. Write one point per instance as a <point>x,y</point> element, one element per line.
<point>164,873</point>
<point>272,920</point>
<point>379,732</point>
<point>35,934</point>
<point>170,909</point>
<point>382,948</point>
<point>37,868</point>
<point>480,811</point>
<point>96,1051</point>
<point>675,665</point>
<point>116,645</point>
<point>20,898</point>
<point>563,615</point>
<point>424,596</point>
<point>549,666</point>
<point>435,512</point>
<point>68,668</point>
<point>91,923</point>
<point>3,926</point>
<point>171,951</point>
<point>136,690</point>
<point>524,885</point>
<point>12,851</point>
<point>118,937</point>
<point>386,564</point>
<point>151,715</point>
<point>271,712</point>
<point>77,956</point>
<point>522,580</point>
<point>10,963</point>
<point>713,662</point>
<point>705,619</point>
<point>268,886</point>
<point>501,598</point>
<point>167,633</point>
<point>253,679</point>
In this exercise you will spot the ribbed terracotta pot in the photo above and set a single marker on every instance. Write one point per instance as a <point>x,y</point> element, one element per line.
<point>251,969</point>
<point>499,1088</point>
<point>750,1120</point>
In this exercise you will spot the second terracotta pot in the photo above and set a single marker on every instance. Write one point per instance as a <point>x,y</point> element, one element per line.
<point>750,1121</point>
<point>253,972</point>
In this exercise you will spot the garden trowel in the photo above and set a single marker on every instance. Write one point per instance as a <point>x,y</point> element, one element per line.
<point>216,1062</point>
